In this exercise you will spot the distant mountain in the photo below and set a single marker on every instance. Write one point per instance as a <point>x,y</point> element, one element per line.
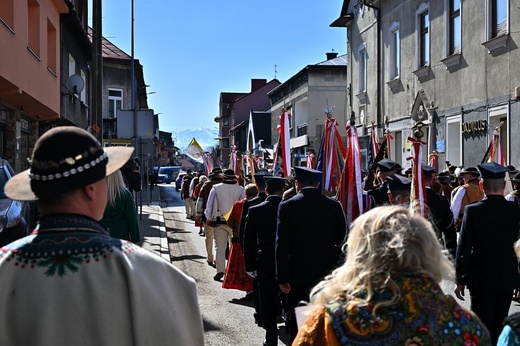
<point>205,137</point>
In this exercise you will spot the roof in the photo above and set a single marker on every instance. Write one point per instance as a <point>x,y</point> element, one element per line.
<point>344,16</point>
<point>110,50</point>
<point>340,60</point>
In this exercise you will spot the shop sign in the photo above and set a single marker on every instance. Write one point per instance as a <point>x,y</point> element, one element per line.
<point>474,126</point>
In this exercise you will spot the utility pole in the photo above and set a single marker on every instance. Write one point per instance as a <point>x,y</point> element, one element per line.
<point>96,116</point>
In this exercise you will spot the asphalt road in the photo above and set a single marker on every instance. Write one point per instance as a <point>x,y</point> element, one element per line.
<point>228,318</point>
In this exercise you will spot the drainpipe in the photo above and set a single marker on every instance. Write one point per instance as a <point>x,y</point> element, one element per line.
<point>379,63</point>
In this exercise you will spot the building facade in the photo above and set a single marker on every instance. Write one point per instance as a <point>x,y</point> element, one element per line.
<point>448,64</point>
<point>308,93</point>
<point>30,45</point>
<point>235,111</point>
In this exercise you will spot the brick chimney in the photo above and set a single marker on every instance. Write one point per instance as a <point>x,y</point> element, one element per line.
<point>332,55</point>
<point>257,84</point>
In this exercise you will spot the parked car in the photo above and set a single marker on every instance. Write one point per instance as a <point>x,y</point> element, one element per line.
<point>14,215</point>
<point>167,174</point>
<point>178,181</point>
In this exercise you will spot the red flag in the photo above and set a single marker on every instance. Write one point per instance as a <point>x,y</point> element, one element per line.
<point>418,191</point>
<point>284,147</point>
<point>375,144</point>
<point>350,191</point>
<point>432,159</point>
<point>334,154</point>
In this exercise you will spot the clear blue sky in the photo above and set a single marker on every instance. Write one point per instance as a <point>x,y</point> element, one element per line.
<point>191,51</point>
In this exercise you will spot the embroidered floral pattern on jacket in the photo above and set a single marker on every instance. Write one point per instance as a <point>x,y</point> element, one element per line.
<point>424,316</point>
<point>62,244</point>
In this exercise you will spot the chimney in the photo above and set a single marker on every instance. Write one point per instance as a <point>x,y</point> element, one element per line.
<point>332,55</point>
<point>257,84</point>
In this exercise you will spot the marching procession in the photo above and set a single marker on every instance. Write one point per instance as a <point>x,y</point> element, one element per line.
<point>365,261</point>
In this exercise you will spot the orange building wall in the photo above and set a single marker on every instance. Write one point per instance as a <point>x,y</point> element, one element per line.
<point>25,81</point>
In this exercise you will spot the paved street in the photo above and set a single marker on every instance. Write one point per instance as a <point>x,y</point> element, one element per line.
<point>228,318</point>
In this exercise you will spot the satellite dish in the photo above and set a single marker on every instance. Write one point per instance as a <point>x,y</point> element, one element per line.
<point>75,84</point>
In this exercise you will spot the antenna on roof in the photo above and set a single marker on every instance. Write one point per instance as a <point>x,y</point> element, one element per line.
<point>275,72</point>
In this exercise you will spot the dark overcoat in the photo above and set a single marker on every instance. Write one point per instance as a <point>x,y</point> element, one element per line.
<point>485,254</point>
<point>311,229</point>
<point>260,236</point>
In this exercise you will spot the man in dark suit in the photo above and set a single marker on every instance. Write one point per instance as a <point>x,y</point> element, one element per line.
<point>486,262</point>
<point>386,168</point>
<point>260,184</point>
<point>259,255</point>
<point>440,214</point>
<point>311,229</point>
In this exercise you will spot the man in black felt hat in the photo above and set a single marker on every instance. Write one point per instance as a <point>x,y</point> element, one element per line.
<point>259,254</point>
<point>69,280</point>
<point>468,193</point>
<point>386,168</point>
<point>486,262</point>
<point>311,229</point>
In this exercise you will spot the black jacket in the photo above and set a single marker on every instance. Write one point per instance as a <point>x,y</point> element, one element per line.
<point>485,255</point>
<point>260,236</point>
<point>311,229</point>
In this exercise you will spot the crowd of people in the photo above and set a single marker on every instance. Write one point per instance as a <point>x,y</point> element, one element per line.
<point>281,240</point>
<point>296,247</point>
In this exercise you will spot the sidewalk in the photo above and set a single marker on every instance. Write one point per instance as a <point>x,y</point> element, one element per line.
<point>151,223</point>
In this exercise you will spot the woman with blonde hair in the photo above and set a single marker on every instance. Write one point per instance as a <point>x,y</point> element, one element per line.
<point>387,291</point>
<point>120,217</point>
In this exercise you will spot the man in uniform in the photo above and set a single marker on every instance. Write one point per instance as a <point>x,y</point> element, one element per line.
<point>69,282</point>
<point>311,229</point>
<point>260,184</point>
<point>468,193</point>
<point>398,189</point>
<point>440,214</point>
<point>386,168</point>
<point>486,262</point>
<point>259,254</point>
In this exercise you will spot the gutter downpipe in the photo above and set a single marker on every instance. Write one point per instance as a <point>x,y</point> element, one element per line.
<point>379,77</point>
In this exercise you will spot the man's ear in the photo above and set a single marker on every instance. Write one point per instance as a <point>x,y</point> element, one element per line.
<point>90,191</point>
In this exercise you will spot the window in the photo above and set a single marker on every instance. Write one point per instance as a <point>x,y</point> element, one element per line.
<point>395,51</point>
<point>84,91</point>
<point>498,120</point>
<point>225,143</point>
<point>497,24</point>
<point>453,143</point>
<point>362,62</point>
<point>454,27</point>
<point>225,121</point>
<point>51,48</point>
<point>422,23</point>
<point>33,27</point>
<point>498,17</point>
<point>115,102</point>
<point>7,13</point>
<point>301,130</point>
<point>72,65</point>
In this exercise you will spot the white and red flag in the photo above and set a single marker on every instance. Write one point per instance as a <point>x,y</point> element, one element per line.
<point>284,148</point>
<point>331,157</point>
<point>495,153</point>
<point>418,190</point>
<point>350,192</point>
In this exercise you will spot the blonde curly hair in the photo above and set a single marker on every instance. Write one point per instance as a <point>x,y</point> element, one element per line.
<point>384,241</point>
